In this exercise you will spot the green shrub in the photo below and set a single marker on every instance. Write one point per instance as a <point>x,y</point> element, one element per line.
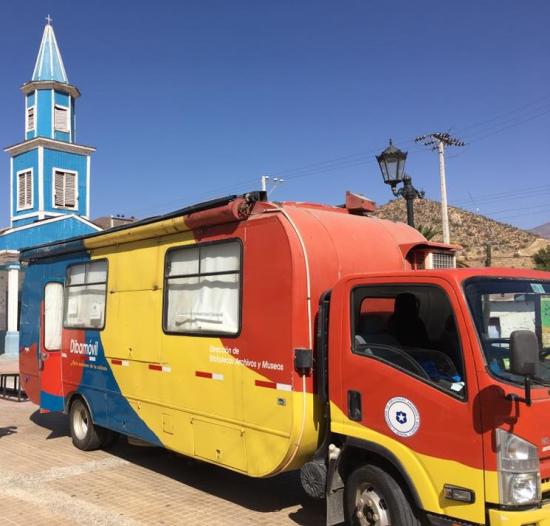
<point>542,259</point>
<point>429,232</point>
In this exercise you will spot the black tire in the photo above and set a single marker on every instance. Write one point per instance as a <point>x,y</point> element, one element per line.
<point>84,433</point>
<point>374,498</point>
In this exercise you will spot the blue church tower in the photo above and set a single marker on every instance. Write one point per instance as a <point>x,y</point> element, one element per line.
<point>49,178</point>
<point>50,172</point>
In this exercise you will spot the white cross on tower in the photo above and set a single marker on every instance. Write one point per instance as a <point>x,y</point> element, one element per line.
<point>49,20</point>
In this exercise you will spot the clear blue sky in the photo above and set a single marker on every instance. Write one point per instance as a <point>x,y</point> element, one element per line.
<point>191,99</point>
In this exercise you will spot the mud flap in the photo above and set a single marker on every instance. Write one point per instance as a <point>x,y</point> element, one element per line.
<point>335,500</point>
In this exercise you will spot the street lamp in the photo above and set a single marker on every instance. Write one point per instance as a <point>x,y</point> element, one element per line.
<point>392,165</point>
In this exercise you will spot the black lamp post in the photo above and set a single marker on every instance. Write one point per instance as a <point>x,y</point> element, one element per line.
<point>392,165</point>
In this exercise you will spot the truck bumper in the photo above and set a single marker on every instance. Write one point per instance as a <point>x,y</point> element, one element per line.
<point>535,517</point>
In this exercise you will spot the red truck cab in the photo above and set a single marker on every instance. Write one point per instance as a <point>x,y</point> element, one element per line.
<point>425,393</point>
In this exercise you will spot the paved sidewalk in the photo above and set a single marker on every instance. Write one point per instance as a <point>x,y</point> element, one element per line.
<point>8,365</point>
<point>45,480</point>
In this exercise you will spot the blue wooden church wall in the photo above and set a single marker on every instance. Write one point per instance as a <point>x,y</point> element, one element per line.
<point>44,232</point>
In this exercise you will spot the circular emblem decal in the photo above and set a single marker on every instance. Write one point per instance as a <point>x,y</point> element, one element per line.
<point>402,417</point>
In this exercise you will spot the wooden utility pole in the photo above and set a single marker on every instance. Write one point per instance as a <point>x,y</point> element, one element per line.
<point>488,255</point>
<point>438,141</point>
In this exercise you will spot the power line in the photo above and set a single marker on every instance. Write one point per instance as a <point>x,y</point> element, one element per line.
<point>507,127</point>
<point>365,157</point>
<point>533,208</point>
<point>504,196</point>
<point>314,170</point>
<point>230,188</point>
<point>513,216</point>
<point>500,115</point>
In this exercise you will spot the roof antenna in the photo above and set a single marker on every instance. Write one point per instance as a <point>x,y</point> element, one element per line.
<point>275,182</point>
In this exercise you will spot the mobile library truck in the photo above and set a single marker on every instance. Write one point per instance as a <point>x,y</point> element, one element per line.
<point>265,337</point>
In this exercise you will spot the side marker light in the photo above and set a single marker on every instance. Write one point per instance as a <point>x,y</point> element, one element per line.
<point>460,494</point>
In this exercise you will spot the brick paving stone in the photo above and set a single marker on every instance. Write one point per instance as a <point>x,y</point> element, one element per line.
<point>17,511</point>
<point>45,480</point>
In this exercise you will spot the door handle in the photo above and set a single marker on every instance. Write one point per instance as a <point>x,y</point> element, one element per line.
<point>354,406</point>
<point>42,357</point>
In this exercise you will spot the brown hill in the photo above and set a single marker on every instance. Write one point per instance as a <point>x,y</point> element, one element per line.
<point>510,246</point>
<point>542,230</point>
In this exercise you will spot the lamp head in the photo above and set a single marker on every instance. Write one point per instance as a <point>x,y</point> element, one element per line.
<point>392,165</point>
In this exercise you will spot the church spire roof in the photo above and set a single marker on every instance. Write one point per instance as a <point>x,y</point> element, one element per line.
<point>49,64</point>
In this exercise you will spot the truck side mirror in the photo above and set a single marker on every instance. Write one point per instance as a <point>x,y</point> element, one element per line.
<point>524,353</point>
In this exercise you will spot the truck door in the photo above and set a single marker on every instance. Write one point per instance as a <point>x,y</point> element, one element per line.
<point>408,387</point>
<point>50,360</point>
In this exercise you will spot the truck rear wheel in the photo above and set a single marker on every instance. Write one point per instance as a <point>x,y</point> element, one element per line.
<point>84,433</point>
<point>374,498</point>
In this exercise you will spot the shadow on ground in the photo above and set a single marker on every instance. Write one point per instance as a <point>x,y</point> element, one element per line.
<point>259,495</point>
<point>56,423</point>
<point>9,430</point>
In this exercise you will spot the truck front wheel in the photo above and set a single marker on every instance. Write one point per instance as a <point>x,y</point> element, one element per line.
<point>374,498</point>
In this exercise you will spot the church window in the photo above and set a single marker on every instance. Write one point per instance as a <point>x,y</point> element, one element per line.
<point>30,118</point>
<point>65,193</point>
<point>61,118</point>
<point>24,189</point>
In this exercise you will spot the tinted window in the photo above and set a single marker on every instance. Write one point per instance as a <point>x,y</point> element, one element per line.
<point>410,327</point>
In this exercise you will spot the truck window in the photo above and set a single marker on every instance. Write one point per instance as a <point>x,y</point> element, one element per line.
<point>203,289</point>
<point>501,306</point>
<point>53,316</point>
<point>85,295</point>
<point>411,328</point>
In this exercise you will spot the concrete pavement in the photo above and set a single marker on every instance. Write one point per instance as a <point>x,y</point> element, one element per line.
<point>8,365</point>
<point>45,480</point>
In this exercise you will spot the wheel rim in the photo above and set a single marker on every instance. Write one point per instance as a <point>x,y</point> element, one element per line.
<point>80,422</point>
<point>370,506</point>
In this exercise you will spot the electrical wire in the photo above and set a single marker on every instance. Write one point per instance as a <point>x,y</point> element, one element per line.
<point>501,115</point>
<point>506,125</point>
<point>502,122</point>
<point>534,191</point>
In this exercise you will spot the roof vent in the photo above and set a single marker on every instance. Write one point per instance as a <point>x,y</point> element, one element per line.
<point>358,204</point>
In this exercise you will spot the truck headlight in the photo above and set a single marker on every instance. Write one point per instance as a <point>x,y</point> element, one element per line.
<point>518,470</point>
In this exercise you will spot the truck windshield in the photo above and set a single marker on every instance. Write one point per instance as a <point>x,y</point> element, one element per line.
<point>502,306</point>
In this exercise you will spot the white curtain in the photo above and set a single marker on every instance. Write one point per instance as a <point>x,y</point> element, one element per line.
<point>209,302</point>
<point>222,257</point>
<point>86,303</point>
<point>53,316</point>
<point>184,262</point>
